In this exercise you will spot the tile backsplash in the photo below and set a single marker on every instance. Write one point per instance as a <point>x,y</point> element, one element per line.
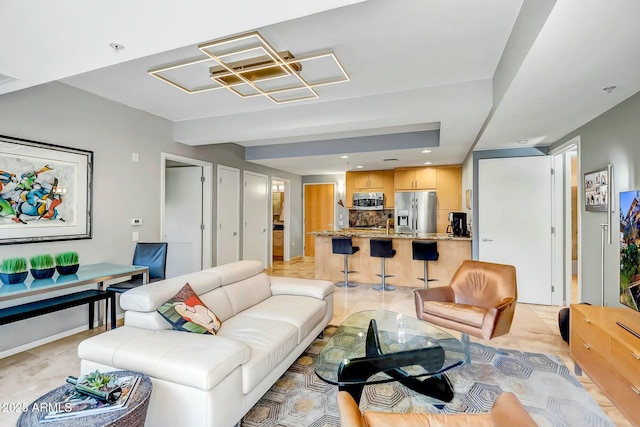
<point>358,218</point>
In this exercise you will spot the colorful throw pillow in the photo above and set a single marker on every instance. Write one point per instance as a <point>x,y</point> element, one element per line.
<point>186,312</point>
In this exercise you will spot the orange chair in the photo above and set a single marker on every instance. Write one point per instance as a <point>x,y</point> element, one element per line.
<point>507,411</point>
<point>480,301</point>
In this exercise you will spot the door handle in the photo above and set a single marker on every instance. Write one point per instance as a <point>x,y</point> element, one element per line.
<point>484,239</point>
<point>235,233</point>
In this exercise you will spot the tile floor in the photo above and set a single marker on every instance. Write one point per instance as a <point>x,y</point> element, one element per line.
<point>27,375</point>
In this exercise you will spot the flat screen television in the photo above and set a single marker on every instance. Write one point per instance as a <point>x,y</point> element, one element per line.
<point>629,244</point>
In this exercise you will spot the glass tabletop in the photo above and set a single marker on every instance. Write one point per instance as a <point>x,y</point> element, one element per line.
<point>403,341</point>
<point>89,273</point>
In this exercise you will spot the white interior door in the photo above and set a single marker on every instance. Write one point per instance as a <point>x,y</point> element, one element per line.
<point>514,221</point>
<point>228,202</point>
<point>255,217</point>
<point>183,219</point>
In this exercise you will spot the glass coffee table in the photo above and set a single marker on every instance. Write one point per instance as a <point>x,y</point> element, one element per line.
<point>378,346</point>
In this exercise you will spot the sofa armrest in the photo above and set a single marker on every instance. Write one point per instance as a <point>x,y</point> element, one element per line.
<point>319,289</point>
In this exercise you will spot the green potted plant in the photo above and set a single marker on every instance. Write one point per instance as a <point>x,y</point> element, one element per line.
<point>13,270</point>
<point>67,262</point>
<point>42,266</point>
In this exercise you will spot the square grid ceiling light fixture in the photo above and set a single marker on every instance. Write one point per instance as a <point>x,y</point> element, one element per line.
<point>249,66</point>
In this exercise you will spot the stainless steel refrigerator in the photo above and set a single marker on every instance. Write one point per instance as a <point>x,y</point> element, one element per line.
<point>415,212</point>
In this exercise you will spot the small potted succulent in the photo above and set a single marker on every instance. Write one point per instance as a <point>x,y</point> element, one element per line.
<point>42,266</point>
<point>67,262</point>
<point>13,270</point>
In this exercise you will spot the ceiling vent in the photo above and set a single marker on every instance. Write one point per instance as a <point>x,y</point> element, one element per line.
<point>389,160</point>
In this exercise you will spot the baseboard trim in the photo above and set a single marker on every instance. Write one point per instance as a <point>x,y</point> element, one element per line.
<point>37,343</point>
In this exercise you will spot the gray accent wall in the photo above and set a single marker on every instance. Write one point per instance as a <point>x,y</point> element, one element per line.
<point>613,137</point>
<point>122,189</point>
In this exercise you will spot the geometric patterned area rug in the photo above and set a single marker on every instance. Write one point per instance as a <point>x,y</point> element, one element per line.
<point>544,385</point>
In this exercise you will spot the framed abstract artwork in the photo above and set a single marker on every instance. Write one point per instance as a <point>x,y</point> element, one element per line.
<point>45,192</point>
<point>596,190</point>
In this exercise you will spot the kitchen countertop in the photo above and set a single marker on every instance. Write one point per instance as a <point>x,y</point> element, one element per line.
<point>381,233</point>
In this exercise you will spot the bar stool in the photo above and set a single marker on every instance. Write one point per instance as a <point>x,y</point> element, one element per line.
<point>382,248</point>
<point>425,251</point>
<point>344,246</point>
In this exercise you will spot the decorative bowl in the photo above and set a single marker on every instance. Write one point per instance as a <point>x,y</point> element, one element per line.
<point>45,273</point>
<point>67,269</point>
<point>13,278</point>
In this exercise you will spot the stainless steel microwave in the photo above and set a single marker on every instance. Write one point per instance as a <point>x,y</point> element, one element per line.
<point>368,201</point>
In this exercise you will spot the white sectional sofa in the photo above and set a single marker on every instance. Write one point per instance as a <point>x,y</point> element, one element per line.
<point>213,380</point>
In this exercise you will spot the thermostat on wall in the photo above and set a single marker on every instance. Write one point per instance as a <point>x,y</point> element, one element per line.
<point>136,221</point>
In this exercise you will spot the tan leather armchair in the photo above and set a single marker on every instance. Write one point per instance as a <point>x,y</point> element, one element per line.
<point>507,411</point>
<point>480,300</point>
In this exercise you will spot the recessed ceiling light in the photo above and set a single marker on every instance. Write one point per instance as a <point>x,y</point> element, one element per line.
<point>344,157</point>
<point>426,151</point>
<point>428,163</point>
<point>359,167</point>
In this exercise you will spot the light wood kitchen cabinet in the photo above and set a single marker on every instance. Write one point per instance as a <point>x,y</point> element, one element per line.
<point>388,188</point>
<point>608,354</point>
<point>407,179</point>
<point>278,244</point>
<point>448,193</point>
<point>349,189</point>
<point>449,187</point>
<point>367,182</point>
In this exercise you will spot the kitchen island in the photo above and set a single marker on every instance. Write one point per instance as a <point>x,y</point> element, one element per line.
<point>328,266</point>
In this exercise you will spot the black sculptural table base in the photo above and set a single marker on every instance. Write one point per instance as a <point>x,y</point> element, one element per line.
<point>353,374</point>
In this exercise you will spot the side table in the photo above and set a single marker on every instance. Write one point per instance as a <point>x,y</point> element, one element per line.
<point>132,416</point>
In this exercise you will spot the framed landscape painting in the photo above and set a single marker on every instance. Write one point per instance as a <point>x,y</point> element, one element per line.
<point>45,192</point>
<point>596,190</point>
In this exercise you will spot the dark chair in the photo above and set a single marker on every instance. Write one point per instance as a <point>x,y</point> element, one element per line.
<point>152,255</point>
<point>425,251</point>
<point>344,246</point>
<point>382,248</point>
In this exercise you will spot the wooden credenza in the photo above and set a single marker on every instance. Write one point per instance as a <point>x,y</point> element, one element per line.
<point>608,354</point>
